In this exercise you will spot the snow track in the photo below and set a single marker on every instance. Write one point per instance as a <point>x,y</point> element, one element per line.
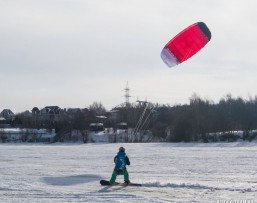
<point>197,186</point>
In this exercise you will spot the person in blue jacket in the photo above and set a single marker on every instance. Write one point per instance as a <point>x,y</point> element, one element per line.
<point>120,160</point>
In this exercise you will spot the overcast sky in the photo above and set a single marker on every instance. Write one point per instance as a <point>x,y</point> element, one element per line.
<point>71,53</point>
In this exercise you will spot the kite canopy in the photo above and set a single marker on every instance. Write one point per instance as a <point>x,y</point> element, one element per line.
<point>186,44</point>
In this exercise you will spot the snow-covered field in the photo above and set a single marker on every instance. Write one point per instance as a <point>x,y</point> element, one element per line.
<point>168,172</point>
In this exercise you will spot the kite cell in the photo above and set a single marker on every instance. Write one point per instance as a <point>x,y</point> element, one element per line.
<point>186,44</point>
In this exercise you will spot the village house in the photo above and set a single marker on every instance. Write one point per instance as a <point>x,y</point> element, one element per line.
<point>7,114</point>
<point>26,135</point>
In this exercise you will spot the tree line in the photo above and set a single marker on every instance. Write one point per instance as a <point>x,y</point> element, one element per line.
<point>193,122</point>
<point>187,122</point>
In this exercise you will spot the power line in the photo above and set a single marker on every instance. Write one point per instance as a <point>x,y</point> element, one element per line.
<point>127,95</point>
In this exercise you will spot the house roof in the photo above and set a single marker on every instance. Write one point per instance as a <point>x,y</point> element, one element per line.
<point>7,112</point>
<point>51,109</point>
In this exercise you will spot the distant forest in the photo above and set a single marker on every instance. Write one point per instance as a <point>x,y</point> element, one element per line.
<point>194,121</point>
<point>188,122</point>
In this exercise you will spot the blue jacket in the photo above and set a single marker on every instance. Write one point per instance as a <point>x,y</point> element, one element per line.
<point>121,160</point>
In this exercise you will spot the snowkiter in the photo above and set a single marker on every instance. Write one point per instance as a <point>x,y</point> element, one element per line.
<point>120,160</point>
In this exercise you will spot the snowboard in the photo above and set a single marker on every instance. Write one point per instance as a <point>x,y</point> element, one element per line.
<point>106,182</point>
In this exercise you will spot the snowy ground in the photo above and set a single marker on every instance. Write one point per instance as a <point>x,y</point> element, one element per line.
<point>168,172</point>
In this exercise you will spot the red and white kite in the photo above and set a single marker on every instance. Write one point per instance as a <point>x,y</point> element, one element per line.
<point>186,44</point>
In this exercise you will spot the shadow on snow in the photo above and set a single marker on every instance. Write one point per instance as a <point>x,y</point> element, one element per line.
<point>71,180</point>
